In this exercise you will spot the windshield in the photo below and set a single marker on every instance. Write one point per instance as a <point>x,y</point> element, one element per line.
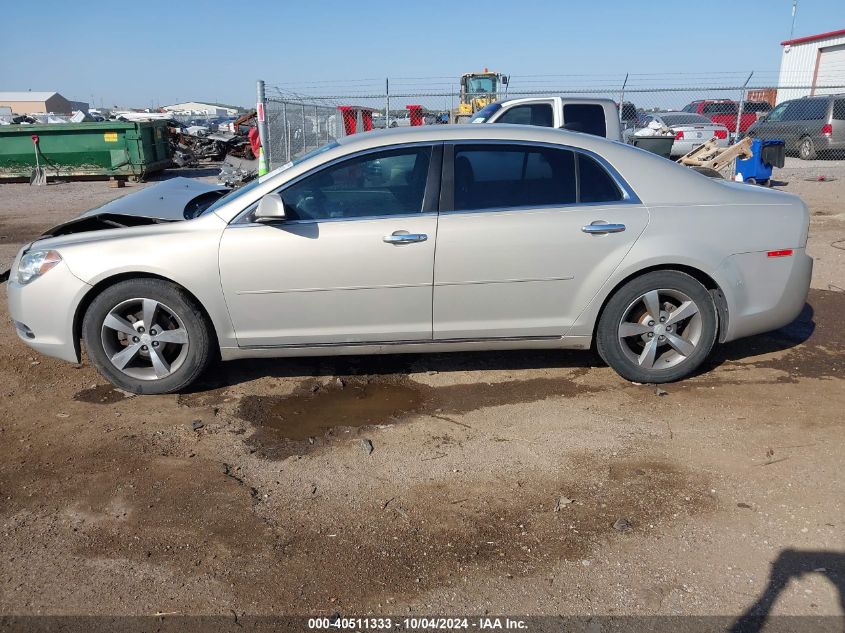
<point>237,193</point>
<point>485,113</point>
<point>481,84</point>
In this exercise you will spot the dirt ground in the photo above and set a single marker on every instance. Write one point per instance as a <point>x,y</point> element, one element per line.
<point>526,482</point>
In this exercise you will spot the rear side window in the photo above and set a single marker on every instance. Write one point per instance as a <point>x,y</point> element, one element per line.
<point>811,109</point>
<point>502,176</point>
<point>529,114</point>
<point>584,117</point>
<point>596,185</point>
<point>839,109</point>
<point>719,108</point>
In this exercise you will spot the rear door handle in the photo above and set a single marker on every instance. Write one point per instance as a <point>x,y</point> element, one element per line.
<point>403,237</point>
<point>600,227</point>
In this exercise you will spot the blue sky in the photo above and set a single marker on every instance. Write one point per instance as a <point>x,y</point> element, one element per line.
<point>159,52</point>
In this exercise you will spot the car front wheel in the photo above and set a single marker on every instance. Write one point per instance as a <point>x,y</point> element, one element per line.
<point>658,327</point>
<point>147,336</point>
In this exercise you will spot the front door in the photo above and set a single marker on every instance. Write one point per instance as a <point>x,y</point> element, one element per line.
<point>528,244</point>
<point>351,263</point>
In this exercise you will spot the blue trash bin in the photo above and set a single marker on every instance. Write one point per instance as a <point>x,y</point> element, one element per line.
<point>766,155</point>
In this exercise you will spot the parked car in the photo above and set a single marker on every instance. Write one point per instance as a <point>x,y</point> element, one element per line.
<point>599,117</point>
<point>691,130</point>
<point>810,126</point>
<point>723,112</point>
<point>428,239</point>
<point>759,108</point>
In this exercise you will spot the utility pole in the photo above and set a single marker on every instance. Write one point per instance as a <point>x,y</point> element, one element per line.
<point>794,11</point>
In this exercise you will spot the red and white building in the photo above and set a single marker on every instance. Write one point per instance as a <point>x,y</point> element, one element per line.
<point>814,64</point>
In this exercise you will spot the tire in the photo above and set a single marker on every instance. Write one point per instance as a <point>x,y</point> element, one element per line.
<point>807,149</point>
<point>165,358</point>
<point>624,347</point>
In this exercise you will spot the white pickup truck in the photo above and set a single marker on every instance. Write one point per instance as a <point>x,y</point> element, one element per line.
<point>591,116</point>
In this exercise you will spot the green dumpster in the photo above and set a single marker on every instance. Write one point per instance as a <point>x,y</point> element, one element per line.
<point>108,148</point>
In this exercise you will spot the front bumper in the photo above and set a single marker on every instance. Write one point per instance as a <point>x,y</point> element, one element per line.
<point>764,293</point>
<point>43,311</point>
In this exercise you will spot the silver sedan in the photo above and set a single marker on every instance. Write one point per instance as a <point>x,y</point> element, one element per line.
<point>690,130</point>
<point>429,239</point>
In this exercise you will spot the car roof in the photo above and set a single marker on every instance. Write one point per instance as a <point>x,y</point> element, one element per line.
<point>469,131</point>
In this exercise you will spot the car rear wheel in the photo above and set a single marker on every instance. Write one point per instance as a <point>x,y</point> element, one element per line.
<point>807,149</point>
<point>658,327</point>
<point>147,336</point>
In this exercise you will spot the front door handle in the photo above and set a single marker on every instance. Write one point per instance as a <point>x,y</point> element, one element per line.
<point>403,237</point>
<point>600,227</point>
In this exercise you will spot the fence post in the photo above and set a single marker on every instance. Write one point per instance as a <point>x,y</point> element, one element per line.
<point>287,130</point>
<point>263,135</point>
<point>304,133</point>
<point>622,97</point>
<point>739,118</point>
<point>387,103</point>
<point>741,104</point>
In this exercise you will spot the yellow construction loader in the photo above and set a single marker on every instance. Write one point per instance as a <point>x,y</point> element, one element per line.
<point>477,91</point>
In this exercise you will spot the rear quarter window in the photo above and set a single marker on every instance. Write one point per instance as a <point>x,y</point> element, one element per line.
<point>839,109</point>
<point>594,183</point>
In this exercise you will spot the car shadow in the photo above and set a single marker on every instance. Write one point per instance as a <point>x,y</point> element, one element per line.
<point>795,564</point>
<point>787,337</point>
<point>234,372</point>
<point>226,374</point>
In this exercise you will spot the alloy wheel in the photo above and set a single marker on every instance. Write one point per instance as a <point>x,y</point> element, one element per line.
<point>144,339</point>
<point>660,329</point>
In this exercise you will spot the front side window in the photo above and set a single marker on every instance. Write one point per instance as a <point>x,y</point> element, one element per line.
<point>502,176</point>
<point>585,117</point>
<point>529,114</point>
<point>383,183</point>
<point>777,114</point>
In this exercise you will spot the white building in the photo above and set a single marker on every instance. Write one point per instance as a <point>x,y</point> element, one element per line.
<point>815,65</point>
<point>198,107</point>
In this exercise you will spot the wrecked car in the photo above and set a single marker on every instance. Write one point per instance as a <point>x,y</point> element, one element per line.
<point>169,201</point>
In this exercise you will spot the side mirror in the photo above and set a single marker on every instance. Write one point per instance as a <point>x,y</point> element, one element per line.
<point>271,208</point>
<point>505,80</point>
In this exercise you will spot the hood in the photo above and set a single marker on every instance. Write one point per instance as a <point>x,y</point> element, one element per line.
<point>167,200</point>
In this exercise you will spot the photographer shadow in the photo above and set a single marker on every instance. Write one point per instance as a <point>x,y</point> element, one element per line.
<point>791,564</point>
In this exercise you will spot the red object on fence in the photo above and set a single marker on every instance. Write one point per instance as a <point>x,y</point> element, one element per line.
<point>415,114</point>
<point>254,140</point>
<point>350,118</point>
<point>34,138</point>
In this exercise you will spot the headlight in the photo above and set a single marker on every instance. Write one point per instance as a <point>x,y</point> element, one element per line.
<point>35,263</point>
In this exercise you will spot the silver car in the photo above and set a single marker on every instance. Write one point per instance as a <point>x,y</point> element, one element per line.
<point>691,130</point>
<point>429,239</point>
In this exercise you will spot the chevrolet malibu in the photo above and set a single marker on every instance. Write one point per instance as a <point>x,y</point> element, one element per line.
<point>430,239</point>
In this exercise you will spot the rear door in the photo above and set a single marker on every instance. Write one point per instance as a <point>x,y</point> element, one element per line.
<point>521,244</point>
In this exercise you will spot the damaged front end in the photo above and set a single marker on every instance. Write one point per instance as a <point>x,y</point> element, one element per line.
<point>101,222</point>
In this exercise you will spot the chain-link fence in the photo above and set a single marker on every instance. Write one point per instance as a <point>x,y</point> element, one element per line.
<point>809,119</point>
